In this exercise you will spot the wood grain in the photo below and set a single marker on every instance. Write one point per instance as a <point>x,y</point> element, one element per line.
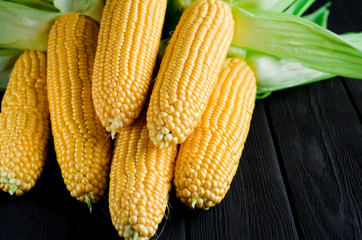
<point>354,90</point>
<point>173,224</point>
<point>319,138</point>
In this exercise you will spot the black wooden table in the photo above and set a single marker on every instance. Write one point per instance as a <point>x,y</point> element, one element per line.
<point>299,176</point>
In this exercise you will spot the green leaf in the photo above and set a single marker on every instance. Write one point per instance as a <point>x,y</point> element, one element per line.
<point>4,79</point>
<point>299,7</point>
<point>23,27</point>
<point>179,5</point>
<point>297,40</point>
<point>320,16</point>
<point>91,8</point>
<point>354,38</point>
<point>261,95</point>
<point>276,5</point>
<point>237,52</point>
<point>37,4</point>
<point>7,60</point>
<point>6,52</point>
<point>275,74</point>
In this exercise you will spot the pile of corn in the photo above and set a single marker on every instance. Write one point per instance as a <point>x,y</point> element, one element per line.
<point>185,124</point>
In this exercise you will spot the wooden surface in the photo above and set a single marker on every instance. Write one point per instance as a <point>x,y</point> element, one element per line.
<point>299,176</point>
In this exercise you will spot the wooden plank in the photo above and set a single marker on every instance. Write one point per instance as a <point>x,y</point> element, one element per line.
<point>354,89</point>
<point>319,137</point>
<point>256,206</point>
<point>173,225</point>
<point>97,224</point>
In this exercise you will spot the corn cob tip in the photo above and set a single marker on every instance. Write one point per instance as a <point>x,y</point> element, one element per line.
<point>13,188</point>
<point>163,137</point>
<point>115,125</point>
<point>12,185</point>
<point>131,234</point>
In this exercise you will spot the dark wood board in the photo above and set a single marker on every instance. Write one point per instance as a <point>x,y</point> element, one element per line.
<point>318,135</point>
<point>173,224</point>
<point>354,89</point>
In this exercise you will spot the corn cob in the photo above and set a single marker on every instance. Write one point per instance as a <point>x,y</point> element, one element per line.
<point>208,159</point>
<point>128,43</point>
<point>189,70</point>
<point>140,181</point>
<point>24,124</point>
<point>82,148</point>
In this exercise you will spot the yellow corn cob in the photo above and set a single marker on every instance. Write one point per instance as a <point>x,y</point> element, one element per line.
<point>82,148</point>
<point>189,71</point>
<point>208,159</point>
<point>24,124</point>
<point>140,181</point>
<point>128,43</point>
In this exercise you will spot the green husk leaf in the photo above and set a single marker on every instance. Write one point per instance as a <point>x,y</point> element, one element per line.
<point>7,60</point>
<point>91,8</point>
<point>24,27</point>
<point>276,74</point>
<point>296,40</point>
<point>276,5</point>
<point>299,7</point>
<point>261,95</point>
<point>353,38</point>
<point>179,5</point>
<point>9,51</point>
<point>237,52</point>
<point>4,78</point>
<point>37,4</point>
<point>320,16</point>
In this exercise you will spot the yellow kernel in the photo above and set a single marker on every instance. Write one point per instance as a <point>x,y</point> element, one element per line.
<point>164,130</point>
<point>207,185</point>
<point>188,182</point>
<point>192,188</point>
<point>159,136</point>
<point>186,193</point>
<point>168,138</point>
<point>196,182</point>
